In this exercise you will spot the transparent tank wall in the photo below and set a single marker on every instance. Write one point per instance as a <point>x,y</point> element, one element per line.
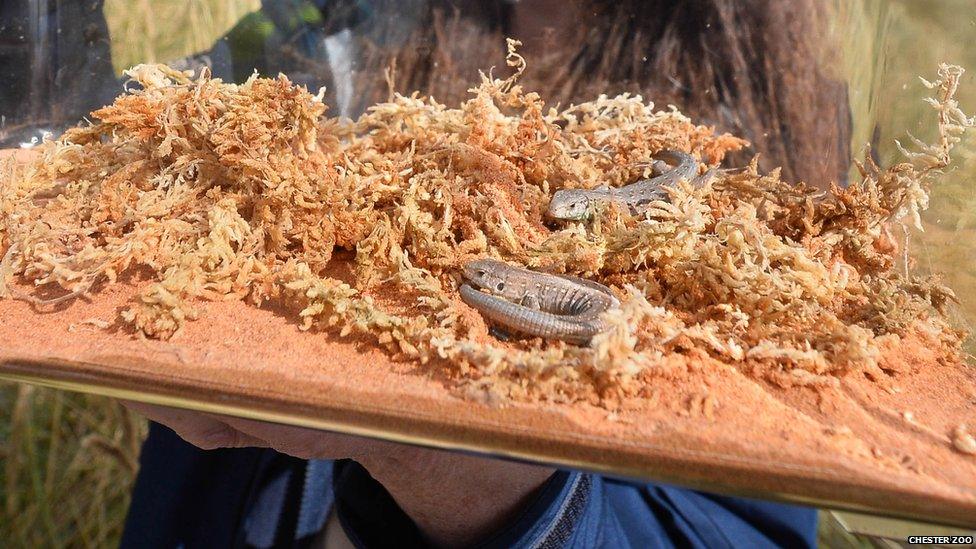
<point>892,45</point>
<point>809,83</point>
<point>921,35</point>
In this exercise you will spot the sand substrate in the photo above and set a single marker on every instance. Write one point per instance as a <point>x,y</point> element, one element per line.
<point>882,444</point>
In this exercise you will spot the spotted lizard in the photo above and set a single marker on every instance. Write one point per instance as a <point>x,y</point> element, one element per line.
<point>539,304</point>
<point>578,204</point>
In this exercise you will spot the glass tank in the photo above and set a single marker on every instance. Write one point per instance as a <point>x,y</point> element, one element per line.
<point>812,85</point>
<point>828,216</point>
<point>809,84</point>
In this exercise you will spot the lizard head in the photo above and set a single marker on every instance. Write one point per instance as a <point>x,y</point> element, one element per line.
<point>569,205</point>
<point>486,274</point>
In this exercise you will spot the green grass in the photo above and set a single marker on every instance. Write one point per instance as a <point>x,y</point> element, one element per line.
<point>67,461</point>
<point>149,31</point>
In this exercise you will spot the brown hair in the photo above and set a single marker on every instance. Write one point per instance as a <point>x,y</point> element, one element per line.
<point>756,68</point>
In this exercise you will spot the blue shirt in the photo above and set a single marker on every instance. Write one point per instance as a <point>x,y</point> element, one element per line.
<point>250,497</point>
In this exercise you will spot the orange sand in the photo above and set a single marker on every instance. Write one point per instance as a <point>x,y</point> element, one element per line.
<point>705,424</point>
<point>881,444</point>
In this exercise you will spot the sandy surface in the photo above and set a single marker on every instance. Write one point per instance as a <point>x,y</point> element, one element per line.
<point>868,443</point>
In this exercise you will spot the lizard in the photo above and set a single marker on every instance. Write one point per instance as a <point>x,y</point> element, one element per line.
<point>577,204</point>
<point>546,305</point>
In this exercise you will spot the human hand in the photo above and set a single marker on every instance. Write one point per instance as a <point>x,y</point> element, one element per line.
<point>454,499</point>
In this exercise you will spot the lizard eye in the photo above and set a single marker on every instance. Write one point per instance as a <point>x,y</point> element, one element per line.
<point>500,286</point>
<point>481,273</point>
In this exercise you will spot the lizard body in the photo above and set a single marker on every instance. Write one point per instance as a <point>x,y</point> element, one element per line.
<point>577,204</point>
<point>540,304</point>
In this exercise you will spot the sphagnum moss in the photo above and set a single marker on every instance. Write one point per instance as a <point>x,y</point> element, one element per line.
<point>249,191</point>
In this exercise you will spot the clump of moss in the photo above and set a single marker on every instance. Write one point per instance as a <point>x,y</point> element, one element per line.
<point>224,191</point>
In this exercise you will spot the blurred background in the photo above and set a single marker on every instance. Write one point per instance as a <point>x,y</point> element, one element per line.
<point>67,461</point>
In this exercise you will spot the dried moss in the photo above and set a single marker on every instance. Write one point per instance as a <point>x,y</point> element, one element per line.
<point>249,191</point>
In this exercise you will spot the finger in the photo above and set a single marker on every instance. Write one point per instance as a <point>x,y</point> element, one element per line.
<point>199,429</point>
<point>303,442</point>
